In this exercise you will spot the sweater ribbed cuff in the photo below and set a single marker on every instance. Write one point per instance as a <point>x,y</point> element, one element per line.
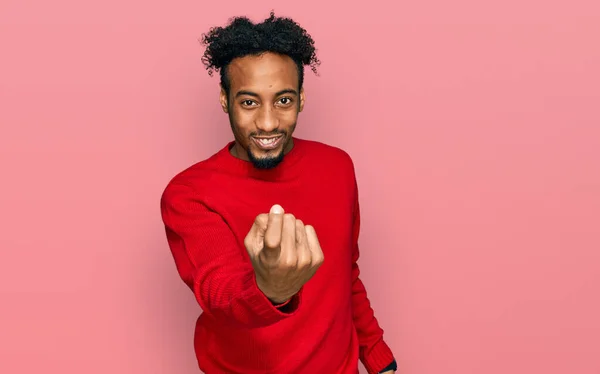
<point>264,308</point>
<point>378,358</point>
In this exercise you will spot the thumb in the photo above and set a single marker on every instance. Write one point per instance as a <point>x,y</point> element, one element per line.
<point>260,225</point>
<point>254,240</point>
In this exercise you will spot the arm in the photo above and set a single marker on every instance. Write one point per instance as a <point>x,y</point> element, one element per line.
<point>375,354</point>
<point>212,263</point>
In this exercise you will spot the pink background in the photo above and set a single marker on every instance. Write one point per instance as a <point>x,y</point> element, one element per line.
<point>474,126</point>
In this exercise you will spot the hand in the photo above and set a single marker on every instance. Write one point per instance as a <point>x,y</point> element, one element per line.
<point>284,252</point>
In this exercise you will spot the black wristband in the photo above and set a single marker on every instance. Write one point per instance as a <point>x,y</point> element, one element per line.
<point>393,366</point>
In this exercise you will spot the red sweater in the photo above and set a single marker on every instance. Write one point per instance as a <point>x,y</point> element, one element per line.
<point>329,325</point>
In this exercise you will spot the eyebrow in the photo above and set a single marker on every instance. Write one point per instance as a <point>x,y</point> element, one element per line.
<point>254,94</point>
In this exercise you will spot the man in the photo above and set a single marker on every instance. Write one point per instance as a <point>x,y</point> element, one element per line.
<point>265,231</point>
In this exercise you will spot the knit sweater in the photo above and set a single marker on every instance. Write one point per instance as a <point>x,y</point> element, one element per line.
<point>329,325</point>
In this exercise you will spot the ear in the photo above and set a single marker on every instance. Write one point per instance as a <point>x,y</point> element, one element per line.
<point>302,98</point>
<point>224,100</point>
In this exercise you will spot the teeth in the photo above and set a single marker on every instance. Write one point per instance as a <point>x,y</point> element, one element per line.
<point>267,141</point>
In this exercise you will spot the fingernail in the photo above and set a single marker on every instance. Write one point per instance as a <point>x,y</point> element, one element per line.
<point>276,209</point>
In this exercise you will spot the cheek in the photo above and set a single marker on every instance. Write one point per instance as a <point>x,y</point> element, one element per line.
<point>288,117</point>
<point>242,121</point>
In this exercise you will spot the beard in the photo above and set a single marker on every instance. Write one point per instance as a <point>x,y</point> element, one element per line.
<point>268,162</point>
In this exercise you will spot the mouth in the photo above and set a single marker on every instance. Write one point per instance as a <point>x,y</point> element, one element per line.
<point>268,143</point>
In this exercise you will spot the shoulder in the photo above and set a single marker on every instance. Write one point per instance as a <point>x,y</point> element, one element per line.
<point>194,180</point>
<point>333,167</point>
<point>330,156</point>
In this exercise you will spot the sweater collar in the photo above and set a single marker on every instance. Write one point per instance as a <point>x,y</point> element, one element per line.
<point>286,169</point>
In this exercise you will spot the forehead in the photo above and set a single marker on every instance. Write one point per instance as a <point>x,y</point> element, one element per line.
<point>265,72</point>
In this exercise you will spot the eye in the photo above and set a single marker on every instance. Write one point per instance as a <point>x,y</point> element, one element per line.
<point>247,103</point>
<point>285,100</point>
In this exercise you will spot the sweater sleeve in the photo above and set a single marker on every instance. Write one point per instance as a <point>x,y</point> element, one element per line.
<point>374,352</point>
<point>211,262</point>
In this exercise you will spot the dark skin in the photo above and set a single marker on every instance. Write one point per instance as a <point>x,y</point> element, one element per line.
<point>264,101</point>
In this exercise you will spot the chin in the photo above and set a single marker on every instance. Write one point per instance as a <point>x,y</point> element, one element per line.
<point>266,159</point>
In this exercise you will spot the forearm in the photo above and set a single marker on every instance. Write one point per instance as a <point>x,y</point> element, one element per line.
<point>375,354</point>
<point>211,262</point>
<point>364,316</point>
<point>235,299</point>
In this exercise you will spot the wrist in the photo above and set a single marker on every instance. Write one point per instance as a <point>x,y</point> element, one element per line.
<point>275,298</point>
<point>279,301</point>
<point>391,368</point>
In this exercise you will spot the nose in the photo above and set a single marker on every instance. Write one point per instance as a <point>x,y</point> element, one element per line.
<point>267,120</point>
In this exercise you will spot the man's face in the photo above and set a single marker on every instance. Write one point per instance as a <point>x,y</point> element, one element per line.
<point>263,107</point>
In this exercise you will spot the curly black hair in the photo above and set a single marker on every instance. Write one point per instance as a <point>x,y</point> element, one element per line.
<point>242,37</point>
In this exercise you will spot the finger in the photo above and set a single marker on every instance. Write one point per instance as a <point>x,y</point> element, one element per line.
<point>260,226</point>
<point>289,256</point>
<point>300,232</point>
<point>254,240</point>
<point>272,238</point>
<point>304,254</point>
<point>314,246</point>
